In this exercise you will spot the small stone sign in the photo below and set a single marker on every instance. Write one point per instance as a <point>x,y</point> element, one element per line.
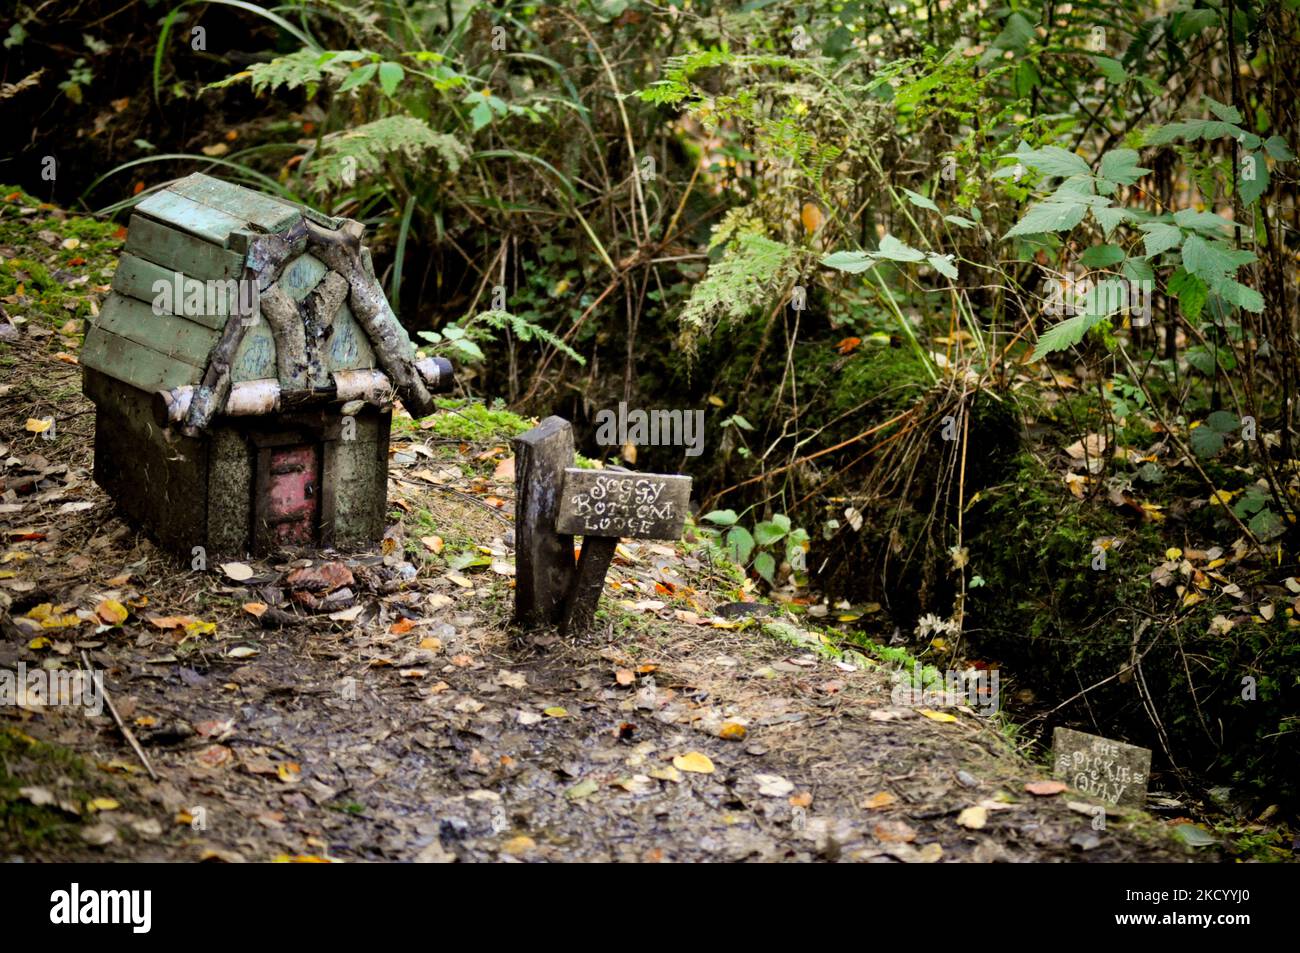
<point>556,502</point>
<point>1110,770</point>
<point>621,503</point>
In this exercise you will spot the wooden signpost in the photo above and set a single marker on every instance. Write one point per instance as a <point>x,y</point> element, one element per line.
<point>1110,770</point>
<point>556,501</point>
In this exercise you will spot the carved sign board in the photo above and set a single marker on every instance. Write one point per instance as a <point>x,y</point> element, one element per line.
<point>623,503</point>
<point>1110,770</point>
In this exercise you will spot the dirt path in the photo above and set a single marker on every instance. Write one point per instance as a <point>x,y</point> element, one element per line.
<point>410,727</point>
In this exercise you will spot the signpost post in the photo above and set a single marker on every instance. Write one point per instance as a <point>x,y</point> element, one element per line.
<point>557,502</point>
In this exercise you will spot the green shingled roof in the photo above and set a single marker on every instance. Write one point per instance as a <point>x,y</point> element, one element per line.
<point>200,227</point>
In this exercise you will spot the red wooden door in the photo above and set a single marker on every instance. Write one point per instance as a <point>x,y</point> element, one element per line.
<point>292,495</point>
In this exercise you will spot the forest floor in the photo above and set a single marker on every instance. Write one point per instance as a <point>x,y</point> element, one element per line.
<point>380,707</point>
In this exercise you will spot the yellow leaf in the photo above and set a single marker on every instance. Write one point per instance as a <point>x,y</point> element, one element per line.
<point>60,620</point>
<point>973,817</point>
<point>879,800</point>
<point>111,612</point>
<point>1173,552</point>
<point>300,859</point>
<point>39,426</point>
<point>940,716</point>
<point>732,731</point>
<point>1191,599</point>
<point>693,762</point>
<point>665,773</point>
<point>289,771</point>
<point>717,401</point>
<point>555,711</point>
<point>102,804</point>
<point>518,845</point>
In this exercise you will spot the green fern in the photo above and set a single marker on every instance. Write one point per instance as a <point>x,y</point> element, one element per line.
<point>306,68</point>
<point>752,270</point>
<point>525,330</point>
<point>345,155</point>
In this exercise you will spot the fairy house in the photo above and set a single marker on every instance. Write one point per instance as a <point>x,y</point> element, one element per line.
<point>243,370</point>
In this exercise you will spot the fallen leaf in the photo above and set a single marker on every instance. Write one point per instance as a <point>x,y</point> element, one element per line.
<point>327,577</point>
<point>584,788</point>
<point>111,612</point>
<point>518,845</point>
<point>99,835</point>
<point>939,716</point>
<point>237,571</point>
<point>37,795</point>
<point>908,854</point>
<point>894,832</point>
<point>695,763</point>
<point>255,609</point>
<point>512,679</point>
<point>732,731</point>
<point>1045,788</point>
<point>773,785</point>
<point>973,817</point>
<point>214,756</point>
<point>879,800</point>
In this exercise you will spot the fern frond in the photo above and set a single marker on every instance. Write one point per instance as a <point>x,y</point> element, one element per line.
<point>345,155</point>
<point>749,273</point>
<point>305,68</point>
<point>525,330</point>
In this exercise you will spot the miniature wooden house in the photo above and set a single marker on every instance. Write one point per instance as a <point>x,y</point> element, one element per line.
<point>243,371</point>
